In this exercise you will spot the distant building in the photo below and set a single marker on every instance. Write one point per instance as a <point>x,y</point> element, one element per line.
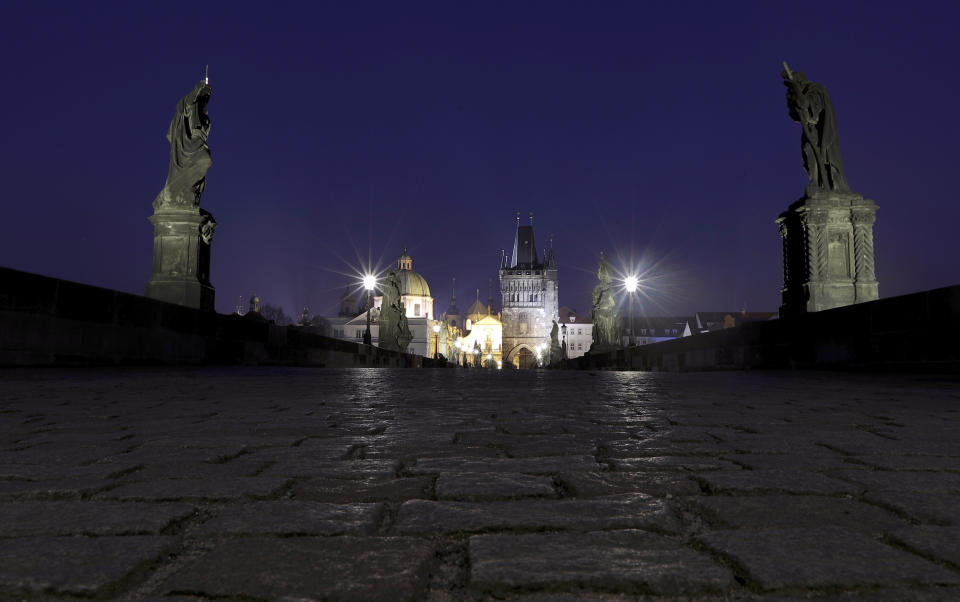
<point>644,330</point>
<point>529,288</point>
<point>418,307</point>
<point>483,329</point>
<point>579,331</point>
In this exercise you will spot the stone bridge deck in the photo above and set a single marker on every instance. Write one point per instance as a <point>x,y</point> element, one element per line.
<point>264,484</point>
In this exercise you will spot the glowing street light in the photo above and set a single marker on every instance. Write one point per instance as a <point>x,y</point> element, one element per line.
<point>630,284</point>
<point>369,283</point>
<point>436,349</point>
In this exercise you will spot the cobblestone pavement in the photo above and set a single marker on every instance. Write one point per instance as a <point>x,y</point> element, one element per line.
<point>275,483</point>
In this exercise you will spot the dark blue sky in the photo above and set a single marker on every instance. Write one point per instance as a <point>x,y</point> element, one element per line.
<point>655,132</point>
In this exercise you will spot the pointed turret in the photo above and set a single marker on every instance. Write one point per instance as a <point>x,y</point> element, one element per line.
<point>524,246</point>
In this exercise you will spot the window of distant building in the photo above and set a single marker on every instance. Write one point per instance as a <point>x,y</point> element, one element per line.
<point>579,331</point>
<point>579,346</point>
<point>416,309</point>
<point>573,319</point>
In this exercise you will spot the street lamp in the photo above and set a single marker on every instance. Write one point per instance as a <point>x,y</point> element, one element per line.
<point>369,282</point>
<point>630,284</point>
<point>436,349</point>
<point>563,330</point>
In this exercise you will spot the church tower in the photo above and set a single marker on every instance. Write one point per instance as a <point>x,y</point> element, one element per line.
<point>452,317</point>
<point>529,286</point>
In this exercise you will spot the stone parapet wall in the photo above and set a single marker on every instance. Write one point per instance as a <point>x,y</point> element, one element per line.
<point>917,333</point>
<point>48,321</point>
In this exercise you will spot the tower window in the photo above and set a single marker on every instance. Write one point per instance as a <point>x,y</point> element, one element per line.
<point>416,309</point>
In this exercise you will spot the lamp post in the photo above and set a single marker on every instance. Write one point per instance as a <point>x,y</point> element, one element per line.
<point>369,282</point>
<point>563,330</point>
<point>436,349</point>
<point>630,283</point>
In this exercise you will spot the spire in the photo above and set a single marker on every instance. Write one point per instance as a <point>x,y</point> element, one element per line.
<point>524,247</point>
<point>453,292</point>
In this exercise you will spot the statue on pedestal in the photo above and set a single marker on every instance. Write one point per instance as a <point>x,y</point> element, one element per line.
<point>810,106</point>
<point>604,314</point>
<point>394,328</point>
<point>827,235</point>
<point>182,230</point>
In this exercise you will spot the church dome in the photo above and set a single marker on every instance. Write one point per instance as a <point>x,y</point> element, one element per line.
<point>411,283</point>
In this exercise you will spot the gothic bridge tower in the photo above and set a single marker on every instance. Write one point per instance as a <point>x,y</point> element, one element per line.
<point>529,287</point>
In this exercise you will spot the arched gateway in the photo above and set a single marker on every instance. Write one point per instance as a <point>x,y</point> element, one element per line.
<point>522,357</point>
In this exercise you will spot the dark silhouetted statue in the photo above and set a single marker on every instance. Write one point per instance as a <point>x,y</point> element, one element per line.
<point>182,230</point>
<point>810,106</point>
<point>394,328</point>
<point>556,353</point>
<point>604,314</point>
<point>189,153</point>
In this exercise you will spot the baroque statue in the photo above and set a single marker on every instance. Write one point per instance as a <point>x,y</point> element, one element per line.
<point>604,312</point>
<point>182,230</point>
<point>810,106</point>
<point>394,329</point>
<point>556,353</point>
<point>189,153</point>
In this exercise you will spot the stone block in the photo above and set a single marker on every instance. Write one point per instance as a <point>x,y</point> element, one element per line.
<point>19,519</point>
<point>937,508</point>
<point>774,481</point>
<point>344,491</point>
<point>659,484</point>
<point>338,568</point>
<point>478,486</point>
<point>767,511</point>
<point>681,463</point>
<point>545,465</point>
<point>940,543</point>
<point>183,489</point>
<point>624,561</point>
<point>824,557</point>
<point>293,517</point>
<point>81,566</point>
<point>612,512</point>
<point>895,480</point>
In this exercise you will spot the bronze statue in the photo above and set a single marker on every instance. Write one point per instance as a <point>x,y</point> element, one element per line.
<point>189,153</point>
<point>604,313</point>
<point>810,106</point>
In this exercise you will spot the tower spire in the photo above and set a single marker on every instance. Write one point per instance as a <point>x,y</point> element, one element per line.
<point>453,293</point>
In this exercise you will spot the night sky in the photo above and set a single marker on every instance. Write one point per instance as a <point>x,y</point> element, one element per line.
<point>657,133</point>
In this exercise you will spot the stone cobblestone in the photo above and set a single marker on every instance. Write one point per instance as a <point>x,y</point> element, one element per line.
<point>448,485</point>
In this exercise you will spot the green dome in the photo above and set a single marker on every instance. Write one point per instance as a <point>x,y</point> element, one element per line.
<point>412,283</point>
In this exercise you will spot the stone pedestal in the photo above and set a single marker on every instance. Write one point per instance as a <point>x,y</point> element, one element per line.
<point>828,255</point>
<point>181,258</point>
